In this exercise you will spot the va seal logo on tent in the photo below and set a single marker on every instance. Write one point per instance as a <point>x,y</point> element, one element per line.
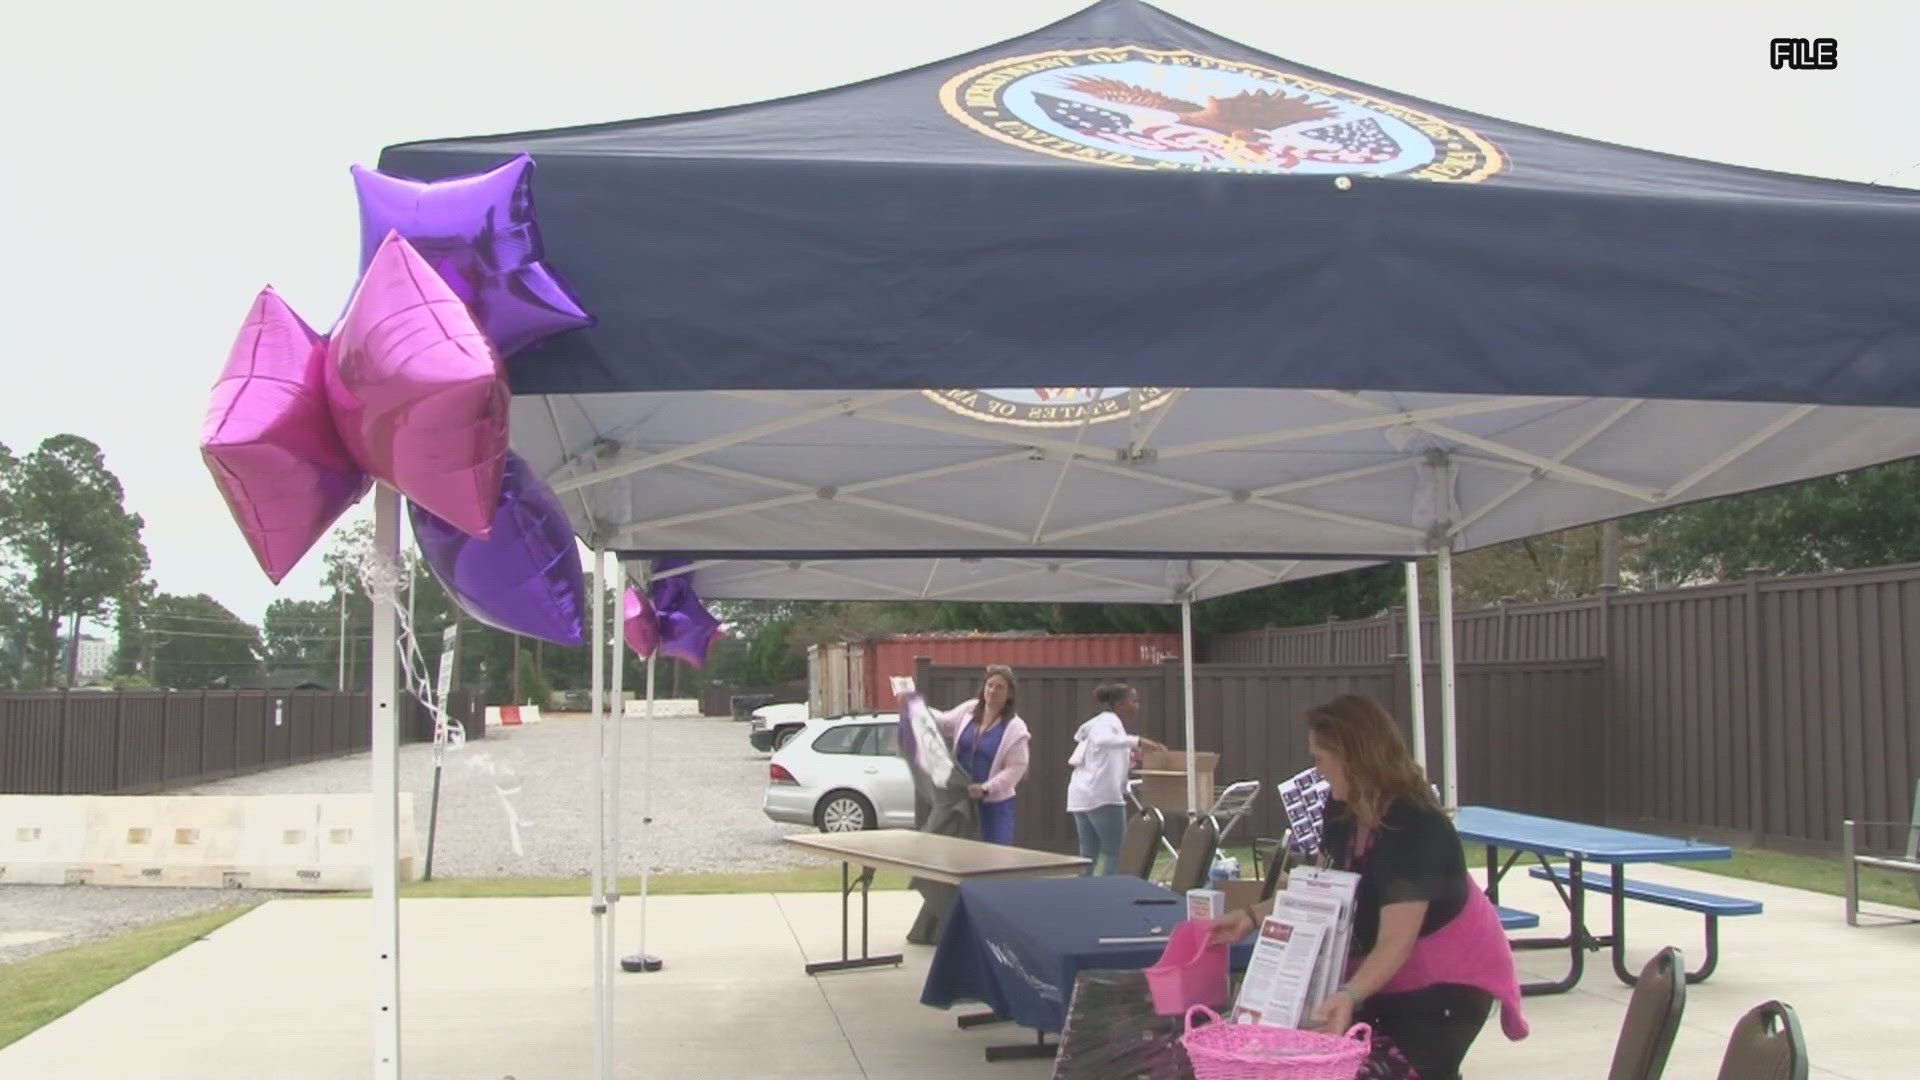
<point>1055,406</point>
<point>1150,109</point>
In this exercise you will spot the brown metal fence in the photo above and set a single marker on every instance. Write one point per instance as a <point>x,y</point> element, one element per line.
<point>1531,733</point>
<point>134,742</point>
<point>1765,711</point>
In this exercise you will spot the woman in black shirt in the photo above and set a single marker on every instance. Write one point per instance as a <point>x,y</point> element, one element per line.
<point>1430,958</point>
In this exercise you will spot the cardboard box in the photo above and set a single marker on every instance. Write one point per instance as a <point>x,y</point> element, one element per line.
<point>1176,761</point>
<point>1163,779</point>
<point>1240,892</point>
<point>1207,904</point>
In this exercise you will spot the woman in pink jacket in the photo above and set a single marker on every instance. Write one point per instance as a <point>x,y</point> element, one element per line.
<point>990,743</point>
<point>1429,960</point>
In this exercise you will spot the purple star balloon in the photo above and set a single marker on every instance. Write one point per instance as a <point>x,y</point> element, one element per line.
<point>478,232</point>
<point>525,578</point>
<point>687,628</point>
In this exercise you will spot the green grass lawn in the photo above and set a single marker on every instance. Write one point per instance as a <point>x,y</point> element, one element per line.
<point>825,879</point>
<point>41,989</point>
<point>1811,873</point>
<point>1807,872</point>
<point>1814,875</point>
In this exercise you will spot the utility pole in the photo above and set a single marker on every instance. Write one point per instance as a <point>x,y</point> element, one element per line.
<point>340,677</point>
<point>1610,555</point>
<point>516,669</point>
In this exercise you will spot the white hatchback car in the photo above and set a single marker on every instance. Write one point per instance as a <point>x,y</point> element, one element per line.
<point>842,775</point>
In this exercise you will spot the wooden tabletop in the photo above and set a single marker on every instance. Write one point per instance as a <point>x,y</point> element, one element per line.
<point>940,858</point>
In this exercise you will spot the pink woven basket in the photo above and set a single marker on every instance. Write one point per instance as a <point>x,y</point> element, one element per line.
<point>1222,1051</point>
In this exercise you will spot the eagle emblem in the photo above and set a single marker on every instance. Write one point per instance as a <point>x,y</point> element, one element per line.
<point>1145,108</point>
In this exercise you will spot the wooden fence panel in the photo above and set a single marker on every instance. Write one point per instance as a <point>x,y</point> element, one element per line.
<point>136,742</point>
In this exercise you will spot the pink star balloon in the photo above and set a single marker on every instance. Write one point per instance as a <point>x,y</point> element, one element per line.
<point>269,440</point>
<point>417,392</point>
<point>642,626</point>
<point>479,233</point>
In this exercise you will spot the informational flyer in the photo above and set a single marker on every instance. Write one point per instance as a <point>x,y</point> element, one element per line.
<point>1304,910</point>
<point>1337,889</point>
<point>1280,975</point>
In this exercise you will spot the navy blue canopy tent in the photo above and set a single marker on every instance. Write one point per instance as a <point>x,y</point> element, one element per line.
<point>1125,198</point>
<point>1251,311</point>
<point>1247,320</point>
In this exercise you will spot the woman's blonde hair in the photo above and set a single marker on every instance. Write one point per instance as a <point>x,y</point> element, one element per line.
<point>1378,768</point>
<point>1006,710</point>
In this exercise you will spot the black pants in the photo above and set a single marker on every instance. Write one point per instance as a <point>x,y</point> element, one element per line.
<point>1433,1027</point>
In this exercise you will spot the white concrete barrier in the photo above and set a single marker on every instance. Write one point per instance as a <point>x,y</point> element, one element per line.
<point>42,837</point>
<point>280,845</point>
<point>665,707</point>
<point>346,833</point>
<point>306,842</point>
<point>512,715</point>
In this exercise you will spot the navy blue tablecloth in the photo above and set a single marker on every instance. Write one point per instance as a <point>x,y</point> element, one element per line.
<point>1017,946</point>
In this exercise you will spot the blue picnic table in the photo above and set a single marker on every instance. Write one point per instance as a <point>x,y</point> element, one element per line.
<point>1580,844</point>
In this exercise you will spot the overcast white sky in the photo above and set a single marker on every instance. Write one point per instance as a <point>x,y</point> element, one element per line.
<point>167,160</point>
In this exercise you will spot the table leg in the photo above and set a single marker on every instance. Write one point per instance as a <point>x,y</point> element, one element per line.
<point>866,959</point>
<point>1577,942</point>
<point>1619,906</point>
<point>980,1019</point>
<point>1494,873</point>
<point>1039,1048</point>
<point>937,899</point>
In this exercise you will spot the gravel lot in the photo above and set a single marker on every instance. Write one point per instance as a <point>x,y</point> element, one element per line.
<point>41,918</point>
<point>706,812</point>
<point>706,807</point>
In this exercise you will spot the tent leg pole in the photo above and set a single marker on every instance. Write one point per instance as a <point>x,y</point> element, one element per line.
<point>617,709</point>
<point>642,961</point>
<point>597,585</point>
<point>1416,669</point>
<point>385,792</point>
<point>1449,741</point>
<point>1186,665</point>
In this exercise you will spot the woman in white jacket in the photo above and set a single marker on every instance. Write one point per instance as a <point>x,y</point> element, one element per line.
<point>1097,794</point>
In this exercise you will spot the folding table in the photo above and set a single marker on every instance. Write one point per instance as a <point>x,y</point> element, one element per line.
<point>942,862</point>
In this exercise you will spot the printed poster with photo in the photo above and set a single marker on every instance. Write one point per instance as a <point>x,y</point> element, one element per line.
<point>1304,797</point>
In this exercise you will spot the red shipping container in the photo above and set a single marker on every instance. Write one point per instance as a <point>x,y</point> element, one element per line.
<point>895,655</point>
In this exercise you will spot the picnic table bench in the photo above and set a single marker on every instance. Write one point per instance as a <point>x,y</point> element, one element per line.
<point>1513,919</point>
<point>1711,905</point>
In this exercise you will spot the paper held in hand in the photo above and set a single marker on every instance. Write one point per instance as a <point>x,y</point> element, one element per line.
<point>1300,957</point>
<point>1280,976</point>
<point>902,684</point>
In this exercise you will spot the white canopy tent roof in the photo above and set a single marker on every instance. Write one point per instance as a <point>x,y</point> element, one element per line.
<point>1003,579</point>
<point>1247,480</point>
